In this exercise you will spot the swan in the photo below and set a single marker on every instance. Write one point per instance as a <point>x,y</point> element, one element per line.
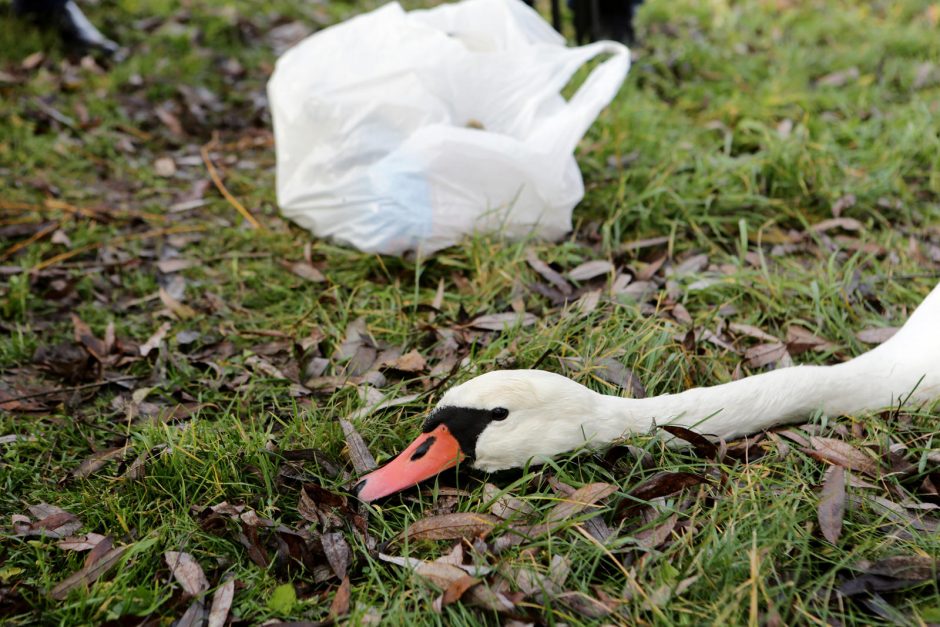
<point>507,418</point>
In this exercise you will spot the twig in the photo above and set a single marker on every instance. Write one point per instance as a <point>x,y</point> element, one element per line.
<point>214,175</point>
<point>74,388</point>
<point>117,240</point>
<point>34,238</point>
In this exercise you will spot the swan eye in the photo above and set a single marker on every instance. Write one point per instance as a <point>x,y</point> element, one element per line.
<point>500,413</point>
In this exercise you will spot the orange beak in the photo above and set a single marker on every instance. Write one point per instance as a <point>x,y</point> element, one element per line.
<point>430,454</point>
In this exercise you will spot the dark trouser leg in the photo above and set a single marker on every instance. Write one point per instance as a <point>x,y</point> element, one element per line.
<point>69,20</point>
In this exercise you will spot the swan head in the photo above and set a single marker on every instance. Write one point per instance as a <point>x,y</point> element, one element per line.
<point>496,421</point>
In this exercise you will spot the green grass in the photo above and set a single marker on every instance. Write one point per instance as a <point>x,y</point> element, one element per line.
<point>703,119</point>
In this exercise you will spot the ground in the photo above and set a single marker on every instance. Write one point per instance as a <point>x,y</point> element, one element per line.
<point>764,189</point>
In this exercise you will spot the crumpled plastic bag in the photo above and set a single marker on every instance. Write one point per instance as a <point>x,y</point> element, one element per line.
<point>405,131</point>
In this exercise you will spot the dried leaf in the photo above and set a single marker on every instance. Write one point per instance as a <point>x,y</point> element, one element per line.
<point>911,567</point>
<point>441,575</point>
<point>877,335</point>
<point>98,461</point>
<point>838,79</point>
<point>178,309</point>
<point>660,484</point>
<point>843,454</point>
<point>222,604</point>
<point>584,605</point>
<point>450,527</point>
<point>88,574</point>
<point>306,271</point>
<point>82,543</point>
<point>832,504</point>
<point>848,224</point>
<point>800,340</point>
<point>411,361</point>
<point>187,572</point>
<point>703,446</point>
<point>506,506</point>
<point>359,454</point>
<point>752,331</point>
<point>337,551</point>
<point>765,354</point>
<point>501,321</point>
<point>583,498</point>
<point>101,549</point>
<point>650,539</point>
<point>164,166</point>
<point>86,338</point>
<point>456,590</point>
<point>194,615</point>
<point>155,339</point>
<point>548,273</point>
<point>340,605</point>
<point>614,372</point>
<point>590,269</point>
<point>176,264</point>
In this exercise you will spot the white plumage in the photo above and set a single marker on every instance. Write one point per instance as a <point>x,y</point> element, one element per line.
<point>550,414</point>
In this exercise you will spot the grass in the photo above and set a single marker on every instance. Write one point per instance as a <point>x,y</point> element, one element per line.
<point>739,125</point>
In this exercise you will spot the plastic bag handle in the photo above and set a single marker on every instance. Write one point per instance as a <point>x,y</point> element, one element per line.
<point>562,131</point>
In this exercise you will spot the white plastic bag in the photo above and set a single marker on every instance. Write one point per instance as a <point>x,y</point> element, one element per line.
<point>404,131</point>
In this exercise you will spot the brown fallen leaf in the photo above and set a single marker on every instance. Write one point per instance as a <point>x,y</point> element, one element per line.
<point>660,484</point>
<point>502,321</point>
<point>99,460</point>
<point>99,551</point>
<point>752,331</point>
<point>174,264</point>
<point>653,538</point>
<point>194,615</point>
<point>222,603</point>
<point>456,590</point>
<point>88,574</point>
<point>359,454</point>
<point>548,273</point>
<point>584,605</point>
<point>80,543</point>
<point>765,354</point>
<point>583,498</point>
<point>590,270</point>
<point>848,224</point>
<point>799,340</point>
<point>832,504</point>
<point>506,506</point>
<point>305,271</point>
<point>441,575</point>
<point>338,553</point>
<point>411,361</point>
<point>703,446</point>
<point>178,309</point>
<point>838,79</point>
<point>155,339</point>
<point>843,203</point>
<point>912,567</point>
<point>877,335</point>
<point>84,336</point>
<point>450,527</point>
<point>51,522</point>
<point>612,371</point>
<point>340,605</point>
<point>187,572</point>
<point>843,454</point>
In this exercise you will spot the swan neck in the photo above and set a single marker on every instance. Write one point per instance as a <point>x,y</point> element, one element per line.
<point>745,406</point>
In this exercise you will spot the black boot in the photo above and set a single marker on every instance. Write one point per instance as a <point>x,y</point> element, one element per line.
<point>71,23</point>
